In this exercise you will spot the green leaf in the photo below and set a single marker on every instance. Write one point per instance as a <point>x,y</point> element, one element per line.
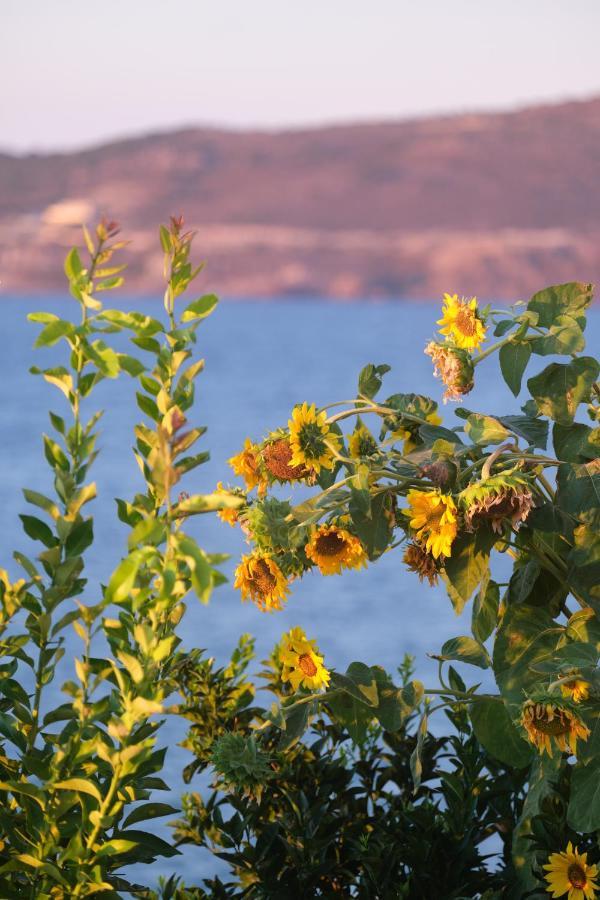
<point>576,443</point>
<point>80,786</point>
<point>38,531</point>
<point>560,388</point>
<point>466,649</point>
<point>544,773</point>
<point>73,265</point>
<point>522,581</point>
<point>535,431</point>
<point>53,332</point>
<point>200,568</point>
<point>485,611</point>
<point>123,578</point>
<point>579,487</point>
<point>484,430</point>
<point>467,566</point>
<point>149,811</point>
<point>145,326</point>
<point>80,538</point>
<point>563,338</point>
<point>513,362</point>
<point>527,636</point>
<point>494,729</point>
<point>560,299</point>
<point>583,813</point>
<point>200,308</point>
<point>370,379</point>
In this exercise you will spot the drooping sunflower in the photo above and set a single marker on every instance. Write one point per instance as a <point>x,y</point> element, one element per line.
<point>247,465</point>
<point>547,722</point>
<point>276,456</point>
<point>259,578</point>
<point>423,563</point>
<point>432,516</point>
<point>454,367</point>
<point>333,548</point>
<point>313,442</point>
<point>301,662</point>
<point>361,442</point>
<point>461,322</point>
<point>576,689</point>
<point>500,498</point>
<point>410,436</point>
<point>569,873</point>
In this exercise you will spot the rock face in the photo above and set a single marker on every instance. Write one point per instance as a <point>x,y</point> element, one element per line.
<point>495,205</point>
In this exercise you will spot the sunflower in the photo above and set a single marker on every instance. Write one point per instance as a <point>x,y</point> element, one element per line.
<point>432,516</point>
<point>259,578</point>
<point>361,442</point>
<point>301,662</point>
<point>423,563</point>
<point>461,323</point>
<point>276,457</point>
<point>313,443</point>
<point>576,689</point>
<point>569,873</point>
<point>546,721</point>
<point>454,367</point>
<point>409,436</point>
<point>333,548</point>
<point>227,515</point>
<point>496,500</point>
<point>247,465</point>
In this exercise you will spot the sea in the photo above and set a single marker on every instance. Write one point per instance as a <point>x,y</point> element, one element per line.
<point>262,357</point>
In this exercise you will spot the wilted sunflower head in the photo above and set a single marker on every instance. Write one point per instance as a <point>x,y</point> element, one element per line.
<point>276,456</point>
<point>569,873</point>
<point>247,465</point>
<point>423,563</point>
<point>313,443</point>
<point>454,367</point>
<point>361,442</point>
<point>461,323</point>
<point>333,548</point>
<point>260,579</point>
<point>500,498</point>
<point>301,663</point>
<point>548,721</point>
<point>432,517</point>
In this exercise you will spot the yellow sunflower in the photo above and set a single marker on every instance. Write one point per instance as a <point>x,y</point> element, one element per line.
<point>548,722</point>
<point>259,578</point>
<point>333,548</point>
<point>461,323</point>
<point>408,436</point>
<point>361,442</point>
<point>312,441</point>
<point>432,516</point>
<point>247,465</point>
<point>302,664</point>
<point>576,689</point>
<point>569,873</point>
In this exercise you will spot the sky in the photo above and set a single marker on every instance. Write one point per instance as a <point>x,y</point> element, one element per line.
<point>73,73</point>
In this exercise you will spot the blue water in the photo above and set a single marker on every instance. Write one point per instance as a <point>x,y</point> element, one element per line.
<point>261,359</point>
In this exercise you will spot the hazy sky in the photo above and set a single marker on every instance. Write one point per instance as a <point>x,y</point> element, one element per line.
<point>73,72</point>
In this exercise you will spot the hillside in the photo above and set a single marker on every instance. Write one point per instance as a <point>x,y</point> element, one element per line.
<point>492,204</point>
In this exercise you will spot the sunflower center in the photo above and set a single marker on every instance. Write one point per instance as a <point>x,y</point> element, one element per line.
<point>559,724</point>
<point>306,663</point>
<point>433,516</point>
<point>311,440</point>
<point>576,876</point>
<point>277,458</point>
<point>330,544</point>
<point>262,577</point>
<point>466,322</point>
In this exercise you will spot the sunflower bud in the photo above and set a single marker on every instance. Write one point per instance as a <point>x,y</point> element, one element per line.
<point>454,367</point>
